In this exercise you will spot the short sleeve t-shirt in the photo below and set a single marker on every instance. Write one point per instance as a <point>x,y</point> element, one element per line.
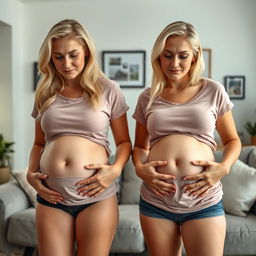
<point>196,117</point>
<point>74,116</point>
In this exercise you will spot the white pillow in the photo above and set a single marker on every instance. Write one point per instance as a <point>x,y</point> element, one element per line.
<point>20,177</point>
<point>239,188</point>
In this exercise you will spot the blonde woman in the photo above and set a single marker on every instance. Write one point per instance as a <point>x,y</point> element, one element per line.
<point>181,194</point>
<point>74,107</point>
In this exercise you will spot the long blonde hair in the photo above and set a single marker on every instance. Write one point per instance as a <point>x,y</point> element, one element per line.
<point>51,80</point>
<point>187,31</point>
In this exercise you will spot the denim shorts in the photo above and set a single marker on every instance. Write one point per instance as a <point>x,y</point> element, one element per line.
<point>74,210</point>
<point>179,218</point>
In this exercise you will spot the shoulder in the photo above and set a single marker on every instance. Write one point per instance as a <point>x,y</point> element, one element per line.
<point>107,84</point>
<point>109,87</point>
<point>144,95</point>
<point>214,86</point>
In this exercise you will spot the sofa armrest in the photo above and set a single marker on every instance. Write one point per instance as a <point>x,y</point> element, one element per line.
<point>12,200</point>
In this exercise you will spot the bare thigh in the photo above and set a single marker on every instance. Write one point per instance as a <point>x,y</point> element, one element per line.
<point>204,236</point>
<point>162,236</point>
<point>55,231</point>
<point>95,228</point>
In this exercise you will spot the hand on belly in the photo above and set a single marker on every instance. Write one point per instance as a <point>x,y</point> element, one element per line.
<point>95,185</point>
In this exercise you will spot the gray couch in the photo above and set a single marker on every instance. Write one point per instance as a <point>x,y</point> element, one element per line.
<point>17,220</point>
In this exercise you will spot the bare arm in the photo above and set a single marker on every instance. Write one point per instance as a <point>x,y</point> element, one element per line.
<point>123,142</point>
<point>230,139</point>
<point>106,174</point>
<point>33,176</point>
<point>216,171</point>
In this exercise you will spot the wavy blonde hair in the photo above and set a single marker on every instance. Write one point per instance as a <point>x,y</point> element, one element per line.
<point>51,80</point>
<point>187,31</point>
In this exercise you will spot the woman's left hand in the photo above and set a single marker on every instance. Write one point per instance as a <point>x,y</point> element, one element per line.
<point>95,185</point>
<point>213,172</point>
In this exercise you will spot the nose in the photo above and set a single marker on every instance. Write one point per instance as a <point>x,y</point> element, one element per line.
<point>175,60</point>
<point>67,63</point>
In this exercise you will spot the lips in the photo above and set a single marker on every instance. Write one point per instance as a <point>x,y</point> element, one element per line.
<point>68,71</point>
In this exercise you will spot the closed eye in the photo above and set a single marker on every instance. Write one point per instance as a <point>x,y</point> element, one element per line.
<point>58,57</point>
<point>73,55</point>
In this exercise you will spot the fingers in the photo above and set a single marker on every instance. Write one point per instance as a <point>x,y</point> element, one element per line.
<point>201,163</point>
<point>40,175</point>
<point>198,176</point>
<point>86,181</point>
<point>91,190</point>
<point>198,189</point>
<point>165,176</point>
<point>158,163</point>
<point>51,196</point>
<point>93,166</point>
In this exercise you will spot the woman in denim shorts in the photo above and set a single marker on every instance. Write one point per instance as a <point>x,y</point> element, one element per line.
<point>181,193</point>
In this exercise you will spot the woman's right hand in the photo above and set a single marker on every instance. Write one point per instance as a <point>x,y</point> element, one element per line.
<point>35,180</point>
<point>157,182</point>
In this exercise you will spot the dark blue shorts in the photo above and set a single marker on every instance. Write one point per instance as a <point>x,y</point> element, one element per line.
<point>74,210</point>
<point>179,218</point>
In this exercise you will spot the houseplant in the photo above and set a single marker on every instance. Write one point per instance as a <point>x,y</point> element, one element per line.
<point>251,129</point>
<point>5,151</point>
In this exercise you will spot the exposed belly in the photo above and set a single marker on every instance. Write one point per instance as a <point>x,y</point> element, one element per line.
<point>179,151</point>
<point>66,157</point>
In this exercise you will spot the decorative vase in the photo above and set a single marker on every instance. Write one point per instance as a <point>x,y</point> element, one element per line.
<point>5,174</point>
<point>253,140</point>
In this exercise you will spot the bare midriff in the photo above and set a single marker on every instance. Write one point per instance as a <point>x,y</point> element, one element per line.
<point>66,157</point>
<point>179,151</point>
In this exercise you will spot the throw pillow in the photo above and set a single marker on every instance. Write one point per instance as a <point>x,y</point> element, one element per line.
<point>239,189</point>
<point>253,209</point>
<point>20,177</point>
<point>252,158</point>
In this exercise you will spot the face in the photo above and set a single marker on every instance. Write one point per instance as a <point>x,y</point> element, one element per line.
<point>176,58</point>
<point>68,55</point>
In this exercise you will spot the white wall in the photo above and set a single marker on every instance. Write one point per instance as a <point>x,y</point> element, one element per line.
<point>10,14</point>
<point>227,27</point>
<point>5,81</point>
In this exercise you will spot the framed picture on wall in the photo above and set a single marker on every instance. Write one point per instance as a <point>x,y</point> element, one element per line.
<point>36,74</point>
<point>207,54</point>
<point>235,86</point>
<point>125,67</point>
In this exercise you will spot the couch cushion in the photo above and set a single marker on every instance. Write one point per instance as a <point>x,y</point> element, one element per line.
<point>20,177</point>
<point>241,235</point>
<point>245,152</point>
<point>239,189</point>
<point>21,229</point>
<point>252,158</point>
<point>130,192</point>
<point>128,237</point>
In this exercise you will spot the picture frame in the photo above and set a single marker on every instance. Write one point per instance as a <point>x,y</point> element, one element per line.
<point>125,67</point>
<point>235,86</point>
<point>207,54</point>
<point>36,74</point>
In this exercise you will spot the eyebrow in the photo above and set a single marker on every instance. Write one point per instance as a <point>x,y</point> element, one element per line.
<point>178,52</point>
<point>58,53</point>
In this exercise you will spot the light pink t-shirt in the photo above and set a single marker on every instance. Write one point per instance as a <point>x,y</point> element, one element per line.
<point>74,116</point>
<point>197,118</point>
